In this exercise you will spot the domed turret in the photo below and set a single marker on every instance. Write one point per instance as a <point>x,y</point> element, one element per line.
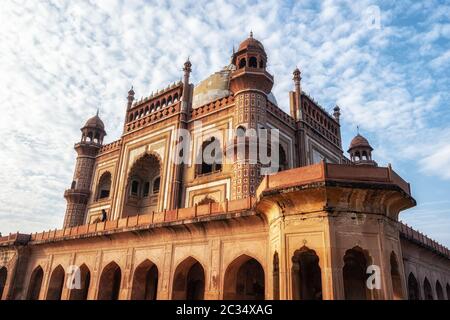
<point>360,151</point>
<point>94,130</point>
<point>250,61</point>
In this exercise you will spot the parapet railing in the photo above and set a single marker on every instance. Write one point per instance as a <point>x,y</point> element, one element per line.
<point>419,238</point>
<point>15,238</point>
<point>335,172</point>
<point>145,220</point>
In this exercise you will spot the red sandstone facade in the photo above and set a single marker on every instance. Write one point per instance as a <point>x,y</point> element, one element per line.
<point>139,226</point>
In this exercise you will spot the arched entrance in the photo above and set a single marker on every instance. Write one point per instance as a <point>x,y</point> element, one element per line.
<point>3,277</point>
<point>34,288</point>
<point>413,288</point>
<point>189,281</point>
<point>439,291</point>
<point>427,291</point>
<point>56,284</point>
<point>244,280</point>
<point>145,281</point>
<point>306,275</point>
<point>85,280</point>
<point>110,280</point>
<point>143,186</point>
<point>395,278</point>
<point>354,272</point>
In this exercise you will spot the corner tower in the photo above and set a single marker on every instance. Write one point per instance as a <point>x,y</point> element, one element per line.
<point>250,83</point>
<point>77,196</point>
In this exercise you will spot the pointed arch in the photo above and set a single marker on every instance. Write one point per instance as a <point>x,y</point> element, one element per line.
<point>427,291</point>
<point>413,288</point>
<point>356,261</point>
<point>110,281</point>
<point>397,288</point>
<point>141,178</point>
<point>34,287</point>
<point>189,280</point>
<point>244,279</point>
<point>85,281</point>
<point>253,62</point>
<point>209,158</point>
<point>104,186</point>
<point>145,281</point>
<point>439,291</point>
<point>306,275</point>
<point>3,278</point>
<point>56,283</point>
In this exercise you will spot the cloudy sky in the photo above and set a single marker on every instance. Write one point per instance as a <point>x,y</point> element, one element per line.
<point>386,64</point>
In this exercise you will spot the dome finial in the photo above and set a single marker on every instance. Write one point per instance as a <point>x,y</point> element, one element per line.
<point>98,110</point>
<point>251,34</point>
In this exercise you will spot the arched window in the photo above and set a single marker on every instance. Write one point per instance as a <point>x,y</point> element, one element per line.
<point>163,103</point>
<point>81,293</point>
<point>131,118</point>
<point>261,64</point>
<point>110,280</point>
<point>413,288</point>
<point>396,278</point>
<point>439,291</point>
<point>56,284</point>
<point>74,184</point>
<point>244,280</point>
<point>156,185</point>
<point>282,159</point>
<point>242,63</point>
<point>134,188</point>
<point>104,186</point>
<point>3,277</point>
<point>355,276</point>
<point>169,100</point>
<point>175,97</point>
<point>253,62</point>
<point>427,291</point>
<point>34,288</point>
<point>146,190</point>
<point>240,131</point>
<point>189,281</point>
<point>306,275</point>
<point>210,158</point>
<point>145,281</point>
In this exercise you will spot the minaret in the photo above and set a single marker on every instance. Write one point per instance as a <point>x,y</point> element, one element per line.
<point>295,97</point>
<point>250,84</point>
<point>77,196</point>
<point>337,114</point>
<point>186,102</point>
<point>186,98</point>
<point>130,98</point>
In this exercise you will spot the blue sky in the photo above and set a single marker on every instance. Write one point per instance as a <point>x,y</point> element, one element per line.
<point>61,60</point>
